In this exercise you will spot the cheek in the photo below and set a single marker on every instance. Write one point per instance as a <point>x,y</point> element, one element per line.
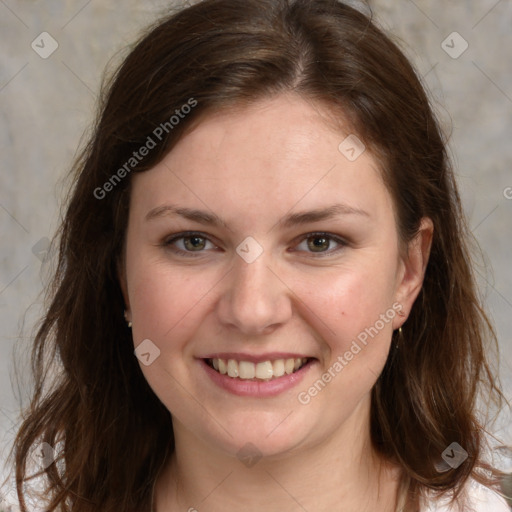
<point>165,304</point>
<point>356,341</point>
<point>164,300</point>
<point>352,304</point>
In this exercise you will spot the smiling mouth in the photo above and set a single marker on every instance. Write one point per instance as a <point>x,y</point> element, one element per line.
<point>262,371</point>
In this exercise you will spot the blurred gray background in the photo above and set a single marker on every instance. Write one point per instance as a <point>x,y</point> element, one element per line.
<point>462,49</point>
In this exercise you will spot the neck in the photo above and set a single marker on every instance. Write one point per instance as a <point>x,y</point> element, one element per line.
<point>340,473</point>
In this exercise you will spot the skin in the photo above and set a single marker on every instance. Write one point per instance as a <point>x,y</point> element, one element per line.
<point>251,168</point>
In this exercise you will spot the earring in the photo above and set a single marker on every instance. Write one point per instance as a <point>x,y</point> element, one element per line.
<point>126,318</point>
<point>398,338</point>
<point>401,313</point>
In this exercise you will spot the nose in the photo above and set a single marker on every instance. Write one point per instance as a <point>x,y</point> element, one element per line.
<point>255,300</point>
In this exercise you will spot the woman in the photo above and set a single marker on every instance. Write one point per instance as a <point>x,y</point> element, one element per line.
<point>264,295</point>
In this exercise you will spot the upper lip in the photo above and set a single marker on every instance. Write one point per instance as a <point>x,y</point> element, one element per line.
<point>254,358</point>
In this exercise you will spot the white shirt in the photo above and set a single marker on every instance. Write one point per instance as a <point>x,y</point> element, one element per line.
<point>480,499</point>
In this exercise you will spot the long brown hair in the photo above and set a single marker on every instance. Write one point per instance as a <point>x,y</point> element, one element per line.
<point>112,432</point>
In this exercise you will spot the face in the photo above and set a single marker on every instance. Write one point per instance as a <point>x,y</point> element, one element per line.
<point>257,245</point>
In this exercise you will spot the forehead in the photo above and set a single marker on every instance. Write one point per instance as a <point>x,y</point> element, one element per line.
<point>279,152</point>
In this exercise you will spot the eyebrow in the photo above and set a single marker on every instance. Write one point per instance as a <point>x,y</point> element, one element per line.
<point>292,219</point>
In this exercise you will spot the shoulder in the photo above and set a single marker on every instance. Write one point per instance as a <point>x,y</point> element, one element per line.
<point>479,499</point>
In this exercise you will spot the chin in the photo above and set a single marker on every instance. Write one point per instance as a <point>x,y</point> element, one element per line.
<point>265,434</point>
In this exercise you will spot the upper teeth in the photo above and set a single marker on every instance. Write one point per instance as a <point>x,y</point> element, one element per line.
<point>265,370</point>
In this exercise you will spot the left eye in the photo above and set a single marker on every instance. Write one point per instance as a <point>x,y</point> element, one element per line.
<point>320,242</point>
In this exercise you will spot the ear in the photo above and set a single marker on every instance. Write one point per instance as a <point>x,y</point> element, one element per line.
<point>412,270</point>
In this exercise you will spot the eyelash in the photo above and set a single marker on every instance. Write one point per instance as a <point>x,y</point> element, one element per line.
<point>194,254</point>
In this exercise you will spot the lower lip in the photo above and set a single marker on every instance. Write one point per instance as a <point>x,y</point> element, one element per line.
<point>261,389</point>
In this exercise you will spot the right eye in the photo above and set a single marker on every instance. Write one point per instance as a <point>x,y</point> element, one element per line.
<point>191,242</point>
